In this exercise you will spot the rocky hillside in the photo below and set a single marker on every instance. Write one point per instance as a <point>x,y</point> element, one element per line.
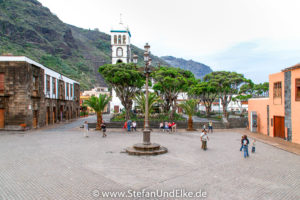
<point>197,68</point>
<point>28,28</point>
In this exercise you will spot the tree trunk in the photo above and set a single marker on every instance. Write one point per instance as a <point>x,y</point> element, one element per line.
<point>128,107</point>
<point>190,124</point>
<point>207,109</point>
<point>99,121</point>
<point>174,107</point>
<point>224,104</point>
<point>127,113</point>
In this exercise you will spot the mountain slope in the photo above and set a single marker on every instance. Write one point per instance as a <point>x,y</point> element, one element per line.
<point>197,68</point>
<point>28,28</point>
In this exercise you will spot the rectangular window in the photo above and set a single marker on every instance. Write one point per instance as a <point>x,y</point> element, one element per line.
<point>277,90</point>
<point>35,83</point>
<point>298,89</point>
<point>53,86</point>
<point>48,83</point>
<point>67,89</point>
<point>2,82</point>
<point>71,90</point>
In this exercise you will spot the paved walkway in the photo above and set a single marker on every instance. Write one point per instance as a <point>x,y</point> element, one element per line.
<point>59,163</point>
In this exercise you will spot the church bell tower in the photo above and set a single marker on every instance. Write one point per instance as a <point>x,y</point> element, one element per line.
<point>120,44</point>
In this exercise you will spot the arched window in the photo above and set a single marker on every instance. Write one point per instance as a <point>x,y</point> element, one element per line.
<point>124,39</point>
<point>119,61</point>
<point>119,52</point>
<point>115,39</point>
<point>119,39</point>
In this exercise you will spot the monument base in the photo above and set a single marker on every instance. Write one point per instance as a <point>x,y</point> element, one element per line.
<point>141,149</point>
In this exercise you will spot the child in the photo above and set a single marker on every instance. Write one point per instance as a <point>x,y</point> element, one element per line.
<point>253,146</point>
<point>204,138</point>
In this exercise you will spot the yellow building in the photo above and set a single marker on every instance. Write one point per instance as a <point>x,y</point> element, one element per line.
<point>94,92</point>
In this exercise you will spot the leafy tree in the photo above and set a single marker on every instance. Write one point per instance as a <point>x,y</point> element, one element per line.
<point>169,82</point>
<point>206,92</point>
<point>126,80</point>
<point>98,104</point>
<point>245,92</point>
<point>141,101</point>
<point>189,107</point>
<point>262,89</point>
<point>228,84</point>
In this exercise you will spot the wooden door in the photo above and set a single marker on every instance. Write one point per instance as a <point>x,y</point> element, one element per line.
<point>53,115</point>
<point>2,116</point>
<point>35,121</point>
<point>47,117</point>
<point>279,127</point>
<point>116,108</point>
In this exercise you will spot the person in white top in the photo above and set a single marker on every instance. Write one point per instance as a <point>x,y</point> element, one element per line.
<point>204,138</point>
<point>134,126</point>
<point>85,129</point>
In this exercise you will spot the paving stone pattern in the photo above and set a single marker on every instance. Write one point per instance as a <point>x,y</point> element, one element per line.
<point>59,163</point>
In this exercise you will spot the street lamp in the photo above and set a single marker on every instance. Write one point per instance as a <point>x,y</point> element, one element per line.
<point>146,148</point>
<point>135,59</point>
<point>147,60</point>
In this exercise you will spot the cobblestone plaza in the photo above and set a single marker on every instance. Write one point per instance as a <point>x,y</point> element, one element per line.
<point>59,163</point>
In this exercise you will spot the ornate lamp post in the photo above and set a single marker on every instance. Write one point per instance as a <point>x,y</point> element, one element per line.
<point>146,148</point>
<point>147,60</point>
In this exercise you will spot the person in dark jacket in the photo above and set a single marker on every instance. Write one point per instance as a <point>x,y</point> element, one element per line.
<point>242,143</point>
<point>245,143</point>
<point>103,127</point>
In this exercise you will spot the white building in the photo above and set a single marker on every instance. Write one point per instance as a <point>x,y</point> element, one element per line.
<point>121,52</point>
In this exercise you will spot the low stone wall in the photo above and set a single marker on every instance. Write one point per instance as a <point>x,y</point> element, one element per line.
<point>238,122</point>
<point>233,123</point>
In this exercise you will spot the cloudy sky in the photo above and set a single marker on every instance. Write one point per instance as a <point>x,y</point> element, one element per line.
<point>253,37</point>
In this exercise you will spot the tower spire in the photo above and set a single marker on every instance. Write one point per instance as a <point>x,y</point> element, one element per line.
<point>121,18</point>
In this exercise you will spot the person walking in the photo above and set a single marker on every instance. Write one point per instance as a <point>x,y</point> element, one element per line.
<point>245,146</point>
<point>129,122</point>
<point>85,129</point>
<point>242,143</point>
<point>204,138</point>
<point>134,125</point>
<point>103,127</point>
<point>210,126</point>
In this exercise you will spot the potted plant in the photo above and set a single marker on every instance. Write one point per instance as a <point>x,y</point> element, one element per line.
<point>23,126</point>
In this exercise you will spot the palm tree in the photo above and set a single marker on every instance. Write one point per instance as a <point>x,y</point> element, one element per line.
<point>189,108</point>
<point>98,104</point>
<point>141,101</point>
